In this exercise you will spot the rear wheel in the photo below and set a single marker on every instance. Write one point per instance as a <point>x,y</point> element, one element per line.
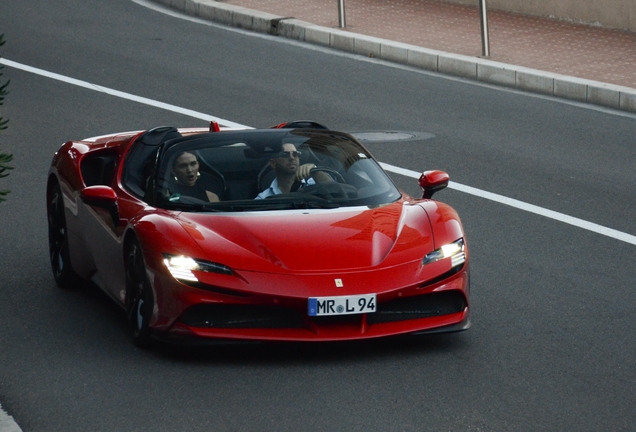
<point>139,298</point>
<point>59,253</point>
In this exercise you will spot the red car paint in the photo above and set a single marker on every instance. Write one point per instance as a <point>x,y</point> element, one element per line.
<point>278,258</point>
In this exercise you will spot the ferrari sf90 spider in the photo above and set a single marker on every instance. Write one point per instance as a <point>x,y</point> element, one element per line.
<point>293,233</point>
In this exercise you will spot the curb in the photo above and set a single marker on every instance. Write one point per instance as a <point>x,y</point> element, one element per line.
<point>475,68</point>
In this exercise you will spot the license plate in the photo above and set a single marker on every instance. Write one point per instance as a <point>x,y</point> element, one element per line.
<point>341,305</point>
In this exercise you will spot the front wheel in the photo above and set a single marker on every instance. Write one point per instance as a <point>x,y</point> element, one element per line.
<point>139,298</point>
<point>59,253</point>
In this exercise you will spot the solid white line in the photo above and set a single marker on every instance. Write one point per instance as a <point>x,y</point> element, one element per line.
<point>120,94</point>
<point>580,223</point>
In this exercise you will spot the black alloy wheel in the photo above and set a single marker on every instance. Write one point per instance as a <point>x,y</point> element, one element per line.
<point>59,254</point>
<point>139,298</point>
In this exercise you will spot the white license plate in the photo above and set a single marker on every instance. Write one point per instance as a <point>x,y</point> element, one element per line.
<point>341,305</point>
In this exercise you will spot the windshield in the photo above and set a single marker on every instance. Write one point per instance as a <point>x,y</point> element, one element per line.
<point>269,170</point>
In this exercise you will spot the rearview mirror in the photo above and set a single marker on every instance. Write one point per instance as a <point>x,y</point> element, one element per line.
<point>103,197</point>
<point>432,182</point>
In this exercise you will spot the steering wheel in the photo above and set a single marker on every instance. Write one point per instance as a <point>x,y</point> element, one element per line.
<point>331,172</point>
<point>330,191</point>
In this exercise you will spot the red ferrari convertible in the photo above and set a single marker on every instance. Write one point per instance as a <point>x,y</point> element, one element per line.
<point>293,233</point>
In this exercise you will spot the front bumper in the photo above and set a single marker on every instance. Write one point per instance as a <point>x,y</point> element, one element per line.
<point>441,307</point>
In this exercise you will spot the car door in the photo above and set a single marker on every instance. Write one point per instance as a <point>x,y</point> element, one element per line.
<point>102,228</point>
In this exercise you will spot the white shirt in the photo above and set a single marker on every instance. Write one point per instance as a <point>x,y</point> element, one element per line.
<point>274,190</point>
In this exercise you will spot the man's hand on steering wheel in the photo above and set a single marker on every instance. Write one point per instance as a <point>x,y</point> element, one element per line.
<point>304,171</point>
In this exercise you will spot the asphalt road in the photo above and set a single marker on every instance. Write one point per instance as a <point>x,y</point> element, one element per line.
<point>552,345</point>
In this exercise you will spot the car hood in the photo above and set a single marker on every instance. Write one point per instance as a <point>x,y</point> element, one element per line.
<point>313,240</point>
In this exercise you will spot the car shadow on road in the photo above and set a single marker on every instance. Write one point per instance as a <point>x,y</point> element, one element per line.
<point>314,352</point>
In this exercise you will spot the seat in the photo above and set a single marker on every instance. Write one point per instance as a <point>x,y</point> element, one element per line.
<point>211,178</point>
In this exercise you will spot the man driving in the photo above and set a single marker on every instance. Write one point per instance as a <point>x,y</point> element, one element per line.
<point>290,175</point>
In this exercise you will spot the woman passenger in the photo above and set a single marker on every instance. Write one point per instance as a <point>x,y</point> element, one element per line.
<point>188,179</point>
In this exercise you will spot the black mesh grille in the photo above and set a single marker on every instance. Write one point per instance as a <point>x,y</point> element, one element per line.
<point>241,316</point>
<point>258,316</point>
<point>337,319</point>
<point>422,306</point>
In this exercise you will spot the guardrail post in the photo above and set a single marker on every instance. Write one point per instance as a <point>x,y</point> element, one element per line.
<point>341,14</point>
<point>485,43</point>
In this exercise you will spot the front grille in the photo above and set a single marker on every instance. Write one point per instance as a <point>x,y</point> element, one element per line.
<point>219,315</point>
<point>355,319</point>
<point>421,306</point>
<point>241,316</point>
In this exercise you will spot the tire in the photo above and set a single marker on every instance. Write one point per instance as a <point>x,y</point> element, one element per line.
<point>59,254</point>
<point>139,297</point>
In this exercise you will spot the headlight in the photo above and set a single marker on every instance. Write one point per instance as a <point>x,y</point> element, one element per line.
<point>453,250</point>
<point>181,267</point>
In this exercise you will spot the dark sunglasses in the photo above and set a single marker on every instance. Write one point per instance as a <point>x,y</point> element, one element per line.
<point>288,154</point>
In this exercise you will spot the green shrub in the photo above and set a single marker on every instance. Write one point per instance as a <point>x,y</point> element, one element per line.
<point>4,158</point>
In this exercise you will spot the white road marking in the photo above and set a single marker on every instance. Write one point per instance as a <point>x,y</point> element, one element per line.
<point>7,424</point>
<point>580,223</point>
<point>118,93</point>
<point>530,208</point>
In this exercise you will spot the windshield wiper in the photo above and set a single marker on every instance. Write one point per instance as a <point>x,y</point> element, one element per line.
<point>315,204</point>
<point>190,207</point>
<point>277,203</point>
<point>273,203</point>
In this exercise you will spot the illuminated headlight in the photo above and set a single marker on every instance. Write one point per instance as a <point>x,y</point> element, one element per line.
<point>453,250</point>
<point>181,267</point>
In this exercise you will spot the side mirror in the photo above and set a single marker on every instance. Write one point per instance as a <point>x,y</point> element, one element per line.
<point>103,197</point>
<point>433,181</point>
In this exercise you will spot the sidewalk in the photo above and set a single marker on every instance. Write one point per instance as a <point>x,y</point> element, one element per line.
<point>573,61</point>
<point>577,50</point>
